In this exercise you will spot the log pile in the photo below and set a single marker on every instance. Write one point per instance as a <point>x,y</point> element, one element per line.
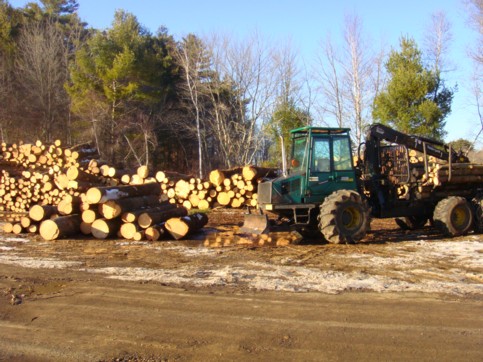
<point>70,191</point>
<point>440,177</point>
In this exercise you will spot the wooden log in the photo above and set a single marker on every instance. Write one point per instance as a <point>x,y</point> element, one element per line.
<point>223,198</point>
<point>86,228</point>
<point>180,227</point>
<point>467,179</point>
<point>69,206</point>
<point>96,195</point>
<point>8,227</point>
<point>42,212</point>
<point>103,228</point>
<point>142,171</point>
<point>25,221</point>
<point>64,226</point>
<point>114,208</point>
<point>90,215</point>
<point>253,172</point>
<point>17,228</point>
<point>140,235</point>
<point>203,205</point>
<point>76,174</point>
<point>154,233</point>
<point>132,216</point>
<point>148,219</point>
<point>128,230</point>
<point>217,177</point>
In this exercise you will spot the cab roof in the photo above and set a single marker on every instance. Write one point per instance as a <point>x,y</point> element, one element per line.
<point>320,130</point>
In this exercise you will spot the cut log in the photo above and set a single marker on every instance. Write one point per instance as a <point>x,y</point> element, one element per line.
<point>132,216</point>
<point>76,174</point>
<point>223,198</point>
<point>180,227</point>
<point>140,235</point>
<point>42,212</point>
<point>17,229</point>
<point>253,173</point>
<point>96,195</point>
<point>90,215</point>
<point>8,227</point>
<point>142,172</point>
<point>69,206</point>
<point>154,233</point>
<point>128,230</point>
<point>86,228</point>
<point>103,228</point>
<point>217,177</point>
<point>64,226</point>
<point>148,219</point>
<point>114,208</point>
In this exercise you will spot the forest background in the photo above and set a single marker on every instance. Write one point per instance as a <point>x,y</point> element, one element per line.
<point>206,101</point>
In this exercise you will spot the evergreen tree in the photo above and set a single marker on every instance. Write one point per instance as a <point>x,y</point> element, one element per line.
<point>285,118</point>
<point>415,100</point>
<point>117,80</point>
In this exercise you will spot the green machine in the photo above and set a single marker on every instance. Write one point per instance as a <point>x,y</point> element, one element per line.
<point>318,190</point>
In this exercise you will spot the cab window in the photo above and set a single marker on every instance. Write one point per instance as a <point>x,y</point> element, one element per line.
<point>298,156</point>
<point>342,154</point>
<point>321,155</point>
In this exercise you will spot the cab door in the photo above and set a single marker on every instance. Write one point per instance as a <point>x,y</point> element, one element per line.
<point>330,167</point>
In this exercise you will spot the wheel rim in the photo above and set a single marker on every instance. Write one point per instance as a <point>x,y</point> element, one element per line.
<point>459,217</point>
<point>351,218</point>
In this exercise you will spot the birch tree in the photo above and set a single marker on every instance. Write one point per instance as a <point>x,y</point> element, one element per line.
<point>194,62</point>
<point>243,97</point>
<point>349,77</point>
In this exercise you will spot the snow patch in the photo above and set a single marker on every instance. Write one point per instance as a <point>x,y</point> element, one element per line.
<point>35,263</point>
<point>13,239</point>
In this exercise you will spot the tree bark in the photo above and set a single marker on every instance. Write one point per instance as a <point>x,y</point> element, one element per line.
<point>64,226</point>
<point>180,227</point>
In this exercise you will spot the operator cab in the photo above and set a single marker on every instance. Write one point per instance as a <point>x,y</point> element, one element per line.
<point>323,157</point>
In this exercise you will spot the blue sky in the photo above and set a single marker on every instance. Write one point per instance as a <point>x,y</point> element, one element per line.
<point>306,23</point>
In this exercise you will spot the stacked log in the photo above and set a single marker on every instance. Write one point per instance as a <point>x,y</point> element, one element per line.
<point>51,181</point>
<point>180,227</point>
<point>461,173</point>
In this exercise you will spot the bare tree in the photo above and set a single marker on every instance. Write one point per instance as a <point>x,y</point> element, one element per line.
<point>40,71</point>
<point>242,97</point>
<point>192,57</point>
<point>437,41</point>
<point>330,83</point>
<point>349,78</point>
<point>358,75</point>
<point>475,11</point>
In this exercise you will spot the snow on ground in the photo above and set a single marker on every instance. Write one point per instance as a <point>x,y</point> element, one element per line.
<point>452,267</point>
<point>37,263</point>
<point>415,270</point>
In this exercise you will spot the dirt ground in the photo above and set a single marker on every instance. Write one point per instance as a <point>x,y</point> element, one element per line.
<point>397,295</point>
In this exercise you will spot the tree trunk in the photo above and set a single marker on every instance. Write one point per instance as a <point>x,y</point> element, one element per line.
<point>148,219</point>
<point>64,226</point>
<point>114,208</point>
<point>103,228</point>
<point>180,227</point>
<point>96,195</point>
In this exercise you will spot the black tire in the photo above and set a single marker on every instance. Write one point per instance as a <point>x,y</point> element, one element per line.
<point>478,209</point>
<point>344,217</point>
<point>454,216</point>
<point>412,222</point>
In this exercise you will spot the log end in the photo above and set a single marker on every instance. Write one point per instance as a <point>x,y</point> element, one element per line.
<point>49,230</point>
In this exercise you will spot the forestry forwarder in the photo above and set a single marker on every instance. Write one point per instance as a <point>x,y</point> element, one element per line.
<point>324,190</point>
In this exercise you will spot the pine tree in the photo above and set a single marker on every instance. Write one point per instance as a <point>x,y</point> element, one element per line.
<point>415,100</point>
